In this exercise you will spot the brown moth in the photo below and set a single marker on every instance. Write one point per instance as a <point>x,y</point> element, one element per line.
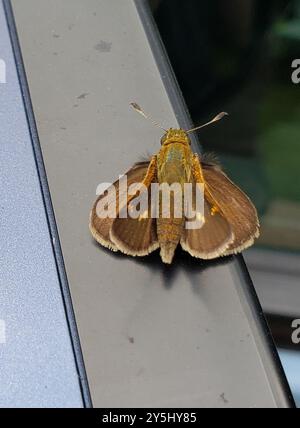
<point>230,223</point>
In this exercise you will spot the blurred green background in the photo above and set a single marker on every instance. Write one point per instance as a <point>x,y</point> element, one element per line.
<point>237,56</point>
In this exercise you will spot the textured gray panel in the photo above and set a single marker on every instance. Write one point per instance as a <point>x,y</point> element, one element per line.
<point>188,335</point>
<point>37,361</point>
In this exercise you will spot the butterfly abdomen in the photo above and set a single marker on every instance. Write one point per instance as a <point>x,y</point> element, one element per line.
<point>169,232</point>
<point>172,170</point>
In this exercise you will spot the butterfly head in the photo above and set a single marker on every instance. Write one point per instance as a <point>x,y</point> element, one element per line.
<point>175,136</point>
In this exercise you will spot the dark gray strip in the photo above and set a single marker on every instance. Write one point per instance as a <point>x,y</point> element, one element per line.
<point>48,206</point>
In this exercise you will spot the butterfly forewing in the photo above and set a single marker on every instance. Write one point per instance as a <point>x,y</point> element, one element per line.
<point>100,227</point>
<point>135,236</point>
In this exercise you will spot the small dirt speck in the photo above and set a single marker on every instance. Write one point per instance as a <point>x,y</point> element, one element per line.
<point>131,340</point>
<point>103,46</point>
<point>56,36</point>
<point>223,398</point>
<point>141,371</point>
<point>82,96</point>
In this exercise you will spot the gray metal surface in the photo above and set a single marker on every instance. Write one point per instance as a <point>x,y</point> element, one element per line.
<point>187,335</point>
<point>36,356</point>
<point>276,277</point>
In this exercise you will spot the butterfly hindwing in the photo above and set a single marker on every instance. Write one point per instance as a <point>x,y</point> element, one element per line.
<point>236,207</point>
<point>210,240</point>
<point>135,237</point>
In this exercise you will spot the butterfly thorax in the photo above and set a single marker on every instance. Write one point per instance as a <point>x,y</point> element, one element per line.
<point>174,162</point>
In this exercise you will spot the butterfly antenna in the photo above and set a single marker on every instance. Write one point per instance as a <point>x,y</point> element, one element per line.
<point>215,119</point>
<point>138,109</point>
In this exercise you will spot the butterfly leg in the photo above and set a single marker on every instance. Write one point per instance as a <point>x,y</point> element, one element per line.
<point>149,177</point>
<point>151,172</point>
<point>199,178</point>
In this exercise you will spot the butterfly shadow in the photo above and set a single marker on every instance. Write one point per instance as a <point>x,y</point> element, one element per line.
<point>192,267</point>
